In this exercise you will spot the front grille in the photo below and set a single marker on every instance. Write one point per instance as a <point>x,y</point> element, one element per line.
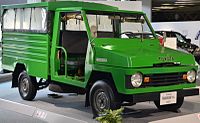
<point>167,64</point>
<point>165,79</point>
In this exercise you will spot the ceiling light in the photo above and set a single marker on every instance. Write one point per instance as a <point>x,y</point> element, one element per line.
<point>166,4</point>
<point>184,4</point>
<point>165,7</point>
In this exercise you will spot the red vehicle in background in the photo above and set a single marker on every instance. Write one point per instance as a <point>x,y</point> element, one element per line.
<point>183,43</point>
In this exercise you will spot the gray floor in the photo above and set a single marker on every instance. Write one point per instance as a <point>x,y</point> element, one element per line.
<point>71,107</point>
<point>7,116</point>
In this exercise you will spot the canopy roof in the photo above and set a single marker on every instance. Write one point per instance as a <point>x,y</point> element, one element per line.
<point>69,5</point>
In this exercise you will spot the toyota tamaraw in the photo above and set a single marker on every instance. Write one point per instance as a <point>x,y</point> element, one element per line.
<point>88,48</point>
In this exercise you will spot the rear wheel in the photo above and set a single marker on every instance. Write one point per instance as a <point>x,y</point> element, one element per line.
<point>102,97</point>
<point>170,107</point>
<point>27,86</point>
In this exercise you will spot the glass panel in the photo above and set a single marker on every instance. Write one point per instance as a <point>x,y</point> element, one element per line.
<point>131,27</point>
<point>9,19</point>
<point>74,22</point>
<point>180,38</point>
<point>92,19</point>
<point>118,25</point>
<point>104,23</point>
<point>135,26</point>
<point>38,19</point>
<point>100,25</point>
<point>26,18</point>
<point>19,19</point>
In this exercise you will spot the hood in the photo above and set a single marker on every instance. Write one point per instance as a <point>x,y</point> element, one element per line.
<point>137,53</point>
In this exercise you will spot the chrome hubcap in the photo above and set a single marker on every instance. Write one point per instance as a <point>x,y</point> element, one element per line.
<point>102,101</point>
<point>24,87</point>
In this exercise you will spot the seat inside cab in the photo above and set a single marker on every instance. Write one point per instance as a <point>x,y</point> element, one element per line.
<point>74,40</point>
<point>75,43</point>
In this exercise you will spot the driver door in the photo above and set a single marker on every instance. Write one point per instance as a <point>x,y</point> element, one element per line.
<point>70,40</point>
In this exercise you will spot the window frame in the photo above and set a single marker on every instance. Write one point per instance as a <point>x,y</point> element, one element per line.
<point>47,27</point>
<point>2,20</point>
<point>77,21</point>
<point>117,27</point>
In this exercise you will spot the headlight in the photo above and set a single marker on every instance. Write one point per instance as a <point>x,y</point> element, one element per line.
<point>191,76</point>
<point>136,80</point>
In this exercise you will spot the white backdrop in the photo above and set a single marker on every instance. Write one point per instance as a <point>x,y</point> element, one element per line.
<point>189,28</point>
<point>126,5</point>
<point>146,7</point>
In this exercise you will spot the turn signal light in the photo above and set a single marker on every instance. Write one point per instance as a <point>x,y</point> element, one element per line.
<point>146,79</point>
<point>184,76</point>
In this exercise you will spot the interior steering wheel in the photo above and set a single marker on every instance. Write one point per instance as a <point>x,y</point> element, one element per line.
<point>129,34</point>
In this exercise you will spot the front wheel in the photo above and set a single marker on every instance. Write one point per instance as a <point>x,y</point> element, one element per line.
<point>170,107</point>
<point>102,97</point>
<point>27,86</point>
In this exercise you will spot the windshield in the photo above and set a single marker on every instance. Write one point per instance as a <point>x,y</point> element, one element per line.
<point>180,38</point>
<point>118,25</point>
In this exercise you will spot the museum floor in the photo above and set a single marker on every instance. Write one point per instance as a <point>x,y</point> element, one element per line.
<point>70,109</point>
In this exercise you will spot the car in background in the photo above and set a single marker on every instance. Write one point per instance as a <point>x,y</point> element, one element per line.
<point>144,35</point>
<point>183,43</point>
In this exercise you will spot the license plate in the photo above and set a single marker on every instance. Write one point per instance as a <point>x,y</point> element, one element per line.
<point>168,98</point>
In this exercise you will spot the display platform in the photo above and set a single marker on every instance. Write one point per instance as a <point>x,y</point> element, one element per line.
<point>70,107</point>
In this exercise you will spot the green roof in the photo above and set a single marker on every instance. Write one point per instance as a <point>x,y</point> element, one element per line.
<point>63,4</point>
<point>70,5</point>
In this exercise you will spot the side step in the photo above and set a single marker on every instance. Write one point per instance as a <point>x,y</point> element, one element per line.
<point>64,88</point>
<point>128,104</point>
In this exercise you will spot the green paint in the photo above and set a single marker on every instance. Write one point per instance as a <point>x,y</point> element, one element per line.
<point>38,52</point>
<point>29,49</point>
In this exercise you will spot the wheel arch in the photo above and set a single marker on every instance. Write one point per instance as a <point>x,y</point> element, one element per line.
<point>19,67</point>
<point>99,75</point>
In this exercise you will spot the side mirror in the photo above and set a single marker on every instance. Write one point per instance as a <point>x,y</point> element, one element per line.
<point>188,40</point>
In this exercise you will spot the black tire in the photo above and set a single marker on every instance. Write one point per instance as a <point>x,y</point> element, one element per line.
<point>170,107</point>
<point>27,86</point>
<point>104,94</point>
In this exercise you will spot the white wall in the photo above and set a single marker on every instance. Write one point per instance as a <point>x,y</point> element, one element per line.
<point>125,5</point>
<point>33,1</point>
<point>188,28</point>
<point>139,5</point>
<point>146,7</point>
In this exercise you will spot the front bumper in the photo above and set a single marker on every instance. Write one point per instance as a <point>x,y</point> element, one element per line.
<point>153,96</point>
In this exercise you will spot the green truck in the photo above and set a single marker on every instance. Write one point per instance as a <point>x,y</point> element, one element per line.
<point>89,48</point>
